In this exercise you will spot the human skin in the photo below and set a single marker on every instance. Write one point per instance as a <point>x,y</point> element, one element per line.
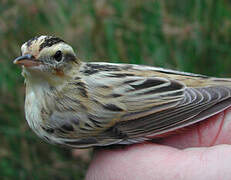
<point>201,152</point>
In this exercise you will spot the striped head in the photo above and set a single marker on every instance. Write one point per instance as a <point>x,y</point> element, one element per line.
<point>46,54</point>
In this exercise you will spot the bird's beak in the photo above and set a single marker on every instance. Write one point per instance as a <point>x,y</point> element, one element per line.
<point>27,60</point>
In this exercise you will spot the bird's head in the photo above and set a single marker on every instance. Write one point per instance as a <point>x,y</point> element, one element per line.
<point>46,56</point>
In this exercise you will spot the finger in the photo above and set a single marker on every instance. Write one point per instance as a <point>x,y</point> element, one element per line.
<point>149,161</point>
<point>163,162</point>
<point>213,131</point>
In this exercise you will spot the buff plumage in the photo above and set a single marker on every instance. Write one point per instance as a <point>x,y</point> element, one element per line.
<point>78,105</point>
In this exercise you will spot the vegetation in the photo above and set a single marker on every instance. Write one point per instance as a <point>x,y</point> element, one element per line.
<point>190,35</point>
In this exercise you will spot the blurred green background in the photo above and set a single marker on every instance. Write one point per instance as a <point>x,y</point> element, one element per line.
<point>190,35</point>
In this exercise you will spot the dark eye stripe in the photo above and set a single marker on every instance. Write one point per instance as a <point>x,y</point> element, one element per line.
<point>70,57</point>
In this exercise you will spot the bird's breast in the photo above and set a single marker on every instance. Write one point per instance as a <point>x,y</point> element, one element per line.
<point>33,110</point>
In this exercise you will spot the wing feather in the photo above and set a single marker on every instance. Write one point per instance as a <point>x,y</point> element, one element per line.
<point>129,103</point>
<point>208,102</point>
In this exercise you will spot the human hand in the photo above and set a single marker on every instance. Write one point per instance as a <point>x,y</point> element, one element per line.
<point>201,152</point>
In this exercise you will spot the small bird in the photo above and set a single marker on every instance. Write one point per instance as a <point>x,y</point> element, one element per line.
<point>80,105</point>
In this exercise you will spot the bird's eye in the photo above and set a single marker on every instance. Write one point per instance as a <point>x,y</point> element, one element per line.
<point>58,56</point>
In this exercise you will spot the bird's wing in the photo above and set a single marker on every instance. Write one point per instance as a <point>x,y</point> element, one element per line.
<point>122,104</point>
<point>138,102</point>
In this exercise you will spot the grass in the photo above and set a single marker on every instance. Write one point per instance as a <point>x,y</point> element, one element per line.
<point>191,35</point>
